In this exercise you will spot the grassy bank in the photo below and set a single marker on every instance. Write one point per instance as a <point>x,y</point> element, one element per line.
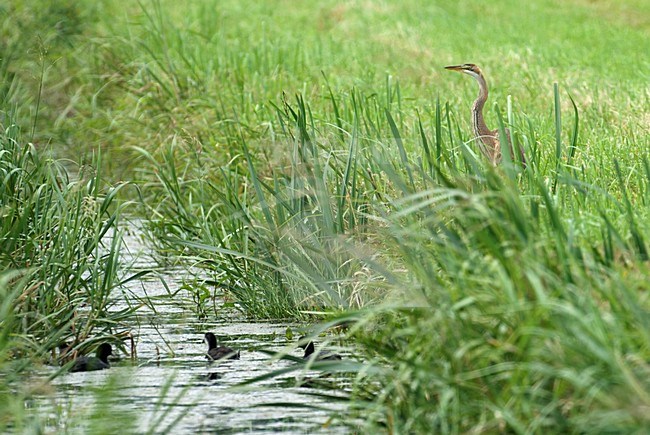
<point>59,243</point>
<point>59,257</point>
<point>318,159</point>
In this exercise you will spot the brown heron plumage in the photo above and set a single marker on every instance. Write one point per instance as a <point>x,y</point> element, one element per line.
<point>488,141</point>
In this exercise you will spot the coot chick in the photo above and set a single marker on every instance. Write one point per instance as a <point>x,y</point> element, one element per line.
<point>91,363</point>
<point>322,355</point>
<point>216,352</point>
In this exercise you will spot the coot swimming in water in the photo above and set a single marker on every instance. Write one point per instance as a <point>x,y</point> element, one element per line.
<point>91,363</point>
<point>216,352</point>
<point>322,355</point>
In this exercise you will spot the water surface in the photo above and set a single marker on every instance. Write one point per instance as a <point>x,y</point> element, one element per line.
<point>170,352</point>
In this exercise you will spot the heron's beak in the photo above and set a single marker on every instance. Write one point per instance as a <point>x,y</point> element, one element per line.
<point>455,67</point>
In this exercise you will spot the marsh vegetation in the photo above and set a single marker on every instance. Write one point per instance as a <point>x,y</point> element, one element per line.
<point>313,165</point>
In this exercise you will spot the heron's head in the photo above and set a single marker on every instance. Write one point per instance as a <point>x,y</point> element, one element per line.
<point>467,68</point>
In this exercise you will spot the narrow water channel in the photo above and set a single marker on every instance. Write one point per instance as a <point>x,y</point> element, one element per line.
<point>170,350</point>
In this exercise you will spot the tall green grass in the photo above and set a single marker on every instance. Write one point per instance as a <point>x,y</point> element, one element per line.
<point>60,263</point>
<point>494,299</point>
<point>318,159</point>
<point>513,317</point>
<point>507,299</point>
<point>154,73</point>
<point>60,233</point>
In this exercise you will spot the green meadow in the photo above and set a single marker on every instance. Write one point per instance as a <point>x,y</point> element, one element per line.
<point>316,161</point>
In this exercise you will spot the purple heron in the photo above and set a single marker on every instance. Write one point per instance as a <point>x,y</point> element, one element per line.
<point>488,141</point>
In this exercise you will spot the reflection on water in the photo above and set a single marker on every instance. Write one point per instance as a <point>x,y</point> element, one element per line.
<point>170,348</point>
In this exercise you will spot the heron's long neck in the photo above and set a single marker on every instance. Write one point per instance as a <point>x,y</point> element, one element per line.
<point>478,123</point>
